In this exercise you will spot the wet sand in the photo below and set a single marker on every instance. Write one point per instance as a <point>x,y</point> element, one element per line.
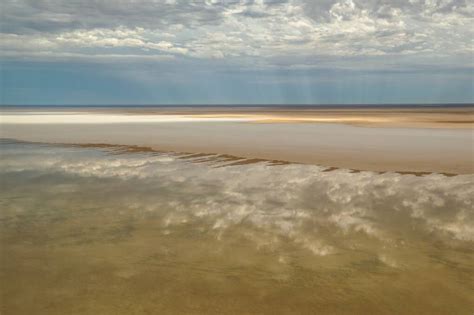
<point>408,139</point>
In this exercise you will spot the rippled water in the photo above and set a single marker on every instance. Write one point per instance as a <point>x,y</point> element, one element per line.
<point>97,231</point>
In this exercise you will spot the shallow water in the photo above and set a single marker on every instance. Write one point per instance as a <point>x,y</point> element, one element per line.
<point>101,231</point>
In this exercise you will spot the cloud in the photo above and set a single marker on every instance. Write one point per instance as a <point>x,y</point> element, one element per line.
<point>249,33</point>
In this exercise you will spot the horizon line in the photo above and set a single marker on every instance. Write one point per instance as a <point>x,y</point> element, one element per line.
<point>248,105</point>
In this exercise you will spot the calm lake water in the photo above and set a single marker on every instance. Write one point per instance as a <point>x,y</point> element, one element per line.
<point>109,231</point>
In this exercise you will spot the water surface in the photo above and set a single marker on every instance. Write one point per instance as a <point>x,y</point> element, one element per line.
<point>102,231</point>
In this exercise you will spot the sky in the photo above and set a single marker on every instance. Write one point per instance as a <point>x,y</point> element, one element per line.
<point>93,52</point>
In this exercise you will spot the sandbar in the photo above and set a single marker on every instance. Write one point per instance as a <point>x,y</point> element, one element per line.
<point>405,139</point>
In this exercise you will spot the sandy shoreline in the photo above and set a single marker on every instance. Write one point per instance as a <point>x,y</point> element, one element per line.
<point>399,140</point>
<point>411,117</point>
